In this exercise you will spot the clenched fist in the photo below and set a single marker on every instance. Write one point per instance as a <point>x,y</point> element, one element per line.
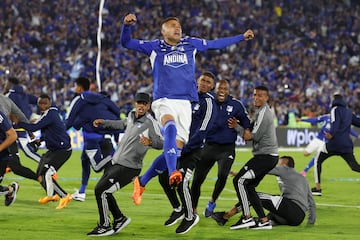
<point>248,35</point>
<point>130,19</point>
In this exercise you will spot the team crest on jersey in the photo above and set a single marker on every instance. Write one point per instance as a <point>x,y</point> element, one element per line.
<point>196,107</point>
<point>229,109</point>
<point>175,59</point>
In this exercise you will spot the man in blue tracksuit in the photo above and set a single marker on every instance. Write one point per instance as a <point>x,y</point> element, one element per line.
<point>220,144</point>
<point>57,142</point>
<point>317,144</point>
<point>173,65</point>
<point>339,141</point>
<point>84,109</point>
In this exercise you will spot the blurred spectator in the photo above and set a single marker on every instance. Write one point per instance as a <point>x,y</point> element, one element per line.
<point>47,44</point>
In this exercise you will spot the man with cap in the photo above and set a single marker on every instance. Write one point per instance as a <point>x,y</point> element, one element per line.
<point>339,142</point>
<point>141,132</point>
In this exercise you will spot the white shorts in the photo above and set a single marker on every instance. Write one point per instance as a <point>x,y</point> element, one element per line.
<point>180,110</point>
<point>315,145</point>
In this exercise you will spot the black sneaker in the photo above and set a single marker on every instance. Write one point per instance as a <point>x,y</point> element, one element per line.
<point>219,218</point>
<point>11,197</point>
<point>316,192</point>
<point>262,225</point>
<point>100,230</point>
<point>186,225</point>
<point>243,223</point>
<point>120,224</point>
<point>174,218</point>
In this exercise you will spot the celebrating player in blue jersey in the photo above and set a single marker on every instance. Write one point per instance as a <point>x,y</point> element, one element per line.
<point>173,64</point>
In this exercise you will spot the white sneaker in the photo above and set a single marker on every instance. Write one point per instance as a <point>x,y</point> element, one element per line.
<point>243,223</point>
<point>78,196</point>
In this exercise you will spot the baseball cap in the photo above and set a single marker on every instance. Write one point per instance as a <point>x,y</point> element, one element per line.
<point>338,92</point>
<point>142,97</point>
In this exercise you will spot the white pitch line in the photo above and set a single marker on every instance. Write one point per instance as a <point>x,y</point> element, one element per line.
<point>336,205</point>
<point>281,149</point>
<point>234,200</point>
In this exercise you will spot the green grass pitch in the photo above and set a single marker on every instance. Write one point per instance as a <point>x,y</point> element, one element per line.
<point>338,210</point>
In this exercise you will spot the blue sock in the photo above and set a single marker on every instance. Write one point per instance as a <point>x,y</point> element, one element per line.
<point>85,175</point>
<point>310,165</point>
<point>157,167</point>
<point>170,150</point>
<point>82,188</point>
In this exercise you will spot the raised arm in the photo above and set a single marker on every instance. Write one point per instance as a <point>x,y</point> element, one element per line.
<point>221,42</point>
<point>128,42</point>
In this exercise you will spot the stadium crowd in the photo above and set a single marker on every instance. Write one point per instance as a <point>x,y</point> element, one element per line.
<point>302,50</point>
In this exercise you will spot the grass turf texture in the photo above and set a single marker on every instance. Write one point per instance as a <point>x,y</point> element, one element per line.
<point>337,210</point>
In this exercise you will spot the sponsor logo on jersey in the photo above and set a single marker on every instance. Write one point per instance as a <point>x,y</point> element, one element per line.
<point>175,59</point>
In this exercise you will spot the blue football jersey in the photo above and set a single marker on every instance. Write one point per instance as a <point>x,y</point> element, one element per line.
<point>174,66</point>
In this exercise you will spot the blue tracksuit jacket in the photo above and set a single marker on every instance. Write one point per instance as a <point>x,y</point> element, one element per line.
<point>87,107</point>
<point>220,133</point>
<point>52,130</point>
<point>341,120</point>
<point>22,99</point>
